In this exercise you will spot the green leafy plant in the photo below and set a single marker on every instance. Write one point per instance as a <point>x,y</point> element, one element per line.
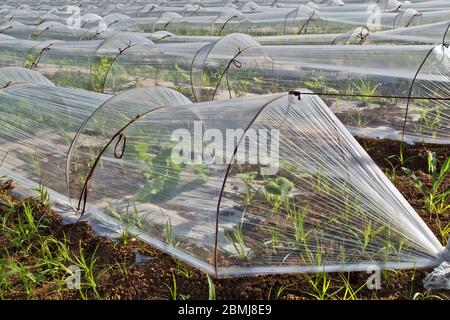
<point>162,175</point>
<point>275,189</point>
<point>435,199</point>
<point>349,292</point>
<point>399,159</point>
<point>322,184</point>
<point>100,69</point>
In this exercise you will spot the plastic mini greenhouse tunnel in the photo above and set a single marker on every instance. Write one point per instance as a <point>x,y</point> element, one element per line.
<point>304,211</point>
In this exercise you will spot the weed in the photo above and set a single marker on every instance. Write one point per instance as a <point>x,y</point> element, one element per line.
<point>173,289</point>
<point>366,89</point>
<point>182,271</point>
<point>202,171</point>
<point>435,200</point>
<point>100,69</point>
<point>278,293</point>
<point>126,237</point>
<point>349,293</point>
<point>297,217</point>
<point>444,231</point>
<point>87,268</point>
<point>320,285</point>
<point>169,231</point>
<point>44,196</point>
<point>11,269</point>
<point>429,119</point>
<point>236,237</point>
<point>211,289</point>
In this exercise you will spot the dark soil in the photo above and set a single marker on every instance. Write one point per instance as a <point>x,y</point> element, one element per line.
<point>118,277</point>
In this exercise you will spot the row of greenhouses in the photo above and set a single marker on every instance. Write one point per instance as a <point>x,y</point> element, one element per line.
<point>277,21</point>
<point>408,97</point>
<point>308,216</point>
<point>436,33</point>
<point>125,111</point>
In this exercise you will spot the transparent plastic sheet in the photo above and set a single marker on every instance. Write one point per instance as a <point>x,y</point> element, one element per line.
<point>425,34</point>
<point>435,5</point>
<point>341,70</point>
<point>81,64</point>
<point>15,75</point>
<point>68,63</point>
<point>436,33</point>
<point>43,27</point>
<point>56,31</point>
<point>114,18</point>
<point>109,51</point>
<point>118,62</point>
<point>432,17</point>
<point>14,51</point>
<point>37,119</point>
<point>141,67</point>
<point>369,100</point>
<point>5,37</point>
<point>228,219</point>
<point>16,30</point>
<point>218,68</point>
<point>292,22</point>
<point>90,20</point>
<point>30,17</point>
<point>302,20</point>
<point>168,37</point>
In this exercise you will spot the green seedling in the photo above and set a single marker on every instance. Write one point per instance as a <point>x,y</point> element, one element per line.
<point>44,196</point>
<point>430,119</point>
<point>236,237</point>
<point>126,237</point>
<point>173,289</point>
<point>435,199</point>
<point>249,193</point>
<point>211,288</point>
<point>278,293</point>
